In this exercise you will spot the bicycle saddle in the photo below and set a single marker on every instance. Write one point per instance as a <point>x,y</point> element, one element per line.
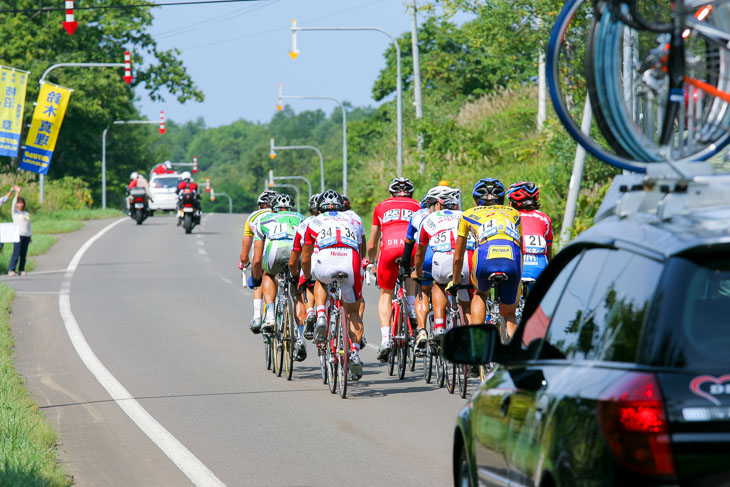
<point>339,276</point>
<point>498,276</point>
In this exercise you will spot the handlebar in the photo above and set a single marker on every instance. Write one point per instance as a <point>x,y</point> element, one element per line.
<point>369,274</point>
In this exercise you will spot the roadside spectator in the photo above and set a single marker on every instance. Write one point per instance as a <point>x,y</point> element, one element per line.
<point>22,219</point>
<point>4,199</point>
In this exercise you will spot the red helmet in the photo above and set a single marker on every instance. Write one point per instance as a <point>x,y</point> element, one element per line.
<point>524,195</point>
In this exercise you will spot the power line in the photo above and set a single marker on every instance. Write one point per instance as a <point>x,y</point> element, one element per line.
<point>107,7</point>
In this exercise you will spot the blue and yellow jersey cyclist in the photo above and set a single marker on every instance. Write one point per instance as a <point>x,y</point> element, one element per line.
<point>498,233</point>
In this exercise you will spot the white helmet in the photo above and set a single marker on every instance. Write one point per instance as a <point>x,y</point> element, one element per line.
<point>168,164</point>
<point>185,175</point>
<point>134,175</point>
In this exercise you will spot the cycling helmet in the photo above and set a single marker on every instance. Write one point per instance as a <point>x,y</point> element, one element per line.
<point>346,202</point>
<point>401,187</point>
<point>266,198</point>
<point>185,175</point>
<point>282,202</point>
<point>488,191</point>
<point>450,203</point>
<point>168,165</point>
<point>524,195</point>
<point>134,175</point>
<point>313,202</point>
<point>331,200</point>
<point>437,194</point>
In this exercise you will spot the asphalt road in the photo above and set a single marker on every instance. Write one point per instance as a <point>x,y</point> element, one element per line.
<point>165,313</point>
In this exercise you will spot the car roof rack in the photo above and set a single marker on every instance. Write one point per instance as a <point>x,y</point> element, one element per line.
<point>666,190</point>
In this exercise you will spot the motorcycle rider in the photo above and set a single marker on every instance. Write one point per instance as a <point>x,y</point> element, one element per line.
<point>137,180</point>
<point>187,186</point>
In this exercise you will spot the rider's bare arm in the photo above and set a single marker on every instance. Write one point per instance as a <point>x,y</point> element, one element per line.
<point>420,257</point>
<point>458,259</point>
<point>373,243</point>
<point>258,254</point>
<point>245,250</point>
<point>294,263</point>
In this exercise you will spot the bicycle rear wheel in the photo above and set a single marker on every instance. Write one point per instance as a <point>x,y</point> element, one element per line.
<point>402,343</point>
<point>343,352</point>
<point>332,357</point>
<point>323,366</point>
<point>268,354</point>
<point>288,338</point>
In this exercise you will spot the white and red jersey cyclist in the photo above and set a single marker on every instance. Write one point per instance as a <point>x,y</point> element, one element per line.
<point>537,229</point>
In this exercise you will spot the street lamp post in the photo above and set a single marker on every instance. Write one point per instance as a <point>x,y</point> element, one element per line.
<point>103,152</point>
<point>230,201</point>
<point>344,130</point>
<point>274,148</point>
<point>399,101</point>
<point>291,186</point>
<point>66,65</point>
<point>302,178</point>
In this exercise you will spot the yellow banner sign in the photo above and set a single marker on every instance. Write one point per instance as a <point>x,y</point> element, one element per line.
<point>13,84</point>
<point>47,119</point>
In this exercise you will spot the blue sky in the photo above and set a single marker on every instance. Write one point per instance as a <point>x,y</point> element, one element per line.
<point>238,53</point>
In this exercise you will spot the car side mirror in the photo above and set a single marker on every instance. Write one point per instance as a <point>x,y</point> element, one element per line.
<point>471,345</point>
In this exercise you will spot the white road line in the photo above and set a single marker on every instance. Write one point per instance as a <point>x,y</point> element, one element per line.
<point>225,279</point>
<point>188,463</point>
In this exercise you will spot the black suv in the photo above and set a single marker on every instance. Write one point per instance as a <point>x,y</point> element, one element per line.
<point>619,372</point>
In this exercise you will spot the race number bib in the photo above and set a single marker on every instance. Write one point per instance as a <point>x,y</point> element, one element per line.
<point>535,244</point>
<point>441,242</point>
<point>332,235</point>
<point>280,231</point>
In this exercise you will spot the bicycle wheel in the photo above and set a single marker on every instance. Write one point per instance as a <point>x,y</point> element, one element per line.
<point>402,343</point>
<point>343,352</point>
<point>440,367</point>
<point>394,320</point>
<point>288,338</point>
<point>268,354</point>
<point>428,355</point>
<point>411,350</point>
<point>322,362</point>
<point>332,357</point>
<point>449,368</point>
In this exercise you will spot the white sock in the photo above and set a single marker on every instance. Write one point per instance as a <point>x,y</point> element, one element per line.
<point>257,308</point>
<point>411,305</point>
<point>320,311</point>
<point>385,334</point>
<point>269,311</point>
<point>438,322</point>
<point>310,311</point>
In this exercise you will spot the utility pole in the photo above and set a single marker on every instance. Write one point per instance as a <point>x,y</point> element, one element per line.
<point>418,102</point>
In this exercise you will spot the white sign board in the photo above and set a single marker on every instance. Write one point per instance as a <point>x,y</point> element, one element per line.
<point>9,233</point>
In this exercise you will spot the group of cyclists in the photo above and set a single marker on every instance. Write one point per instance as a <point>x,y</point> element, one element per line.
<point>431,244</point>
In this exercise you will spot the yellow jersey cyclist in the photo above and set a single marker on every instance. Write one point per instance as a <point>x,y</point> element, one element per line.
<point>498,233</point>
<point>272,248</point>
<point>249,230</point>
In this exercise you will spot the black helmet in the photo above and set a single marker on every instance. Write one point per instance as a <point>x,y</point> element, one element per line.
<point>488,191</point>
<point>266,198</point>
<point>331,200</point>
<point>282,202</point>
<point>401,187</point>
<point>314,201</point>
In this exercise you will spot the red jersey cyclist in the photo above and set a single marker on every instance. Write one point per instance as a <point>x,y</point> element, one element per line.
<point>537,229</point>
<point>390,223</point>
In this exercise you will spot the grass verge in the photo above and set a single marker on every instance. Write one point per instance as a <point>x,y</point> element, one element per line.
<point>28,455</point>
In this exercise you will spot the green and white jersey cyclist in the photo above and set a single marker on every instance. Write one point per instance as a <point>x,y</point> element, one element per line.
<point>273,241</point>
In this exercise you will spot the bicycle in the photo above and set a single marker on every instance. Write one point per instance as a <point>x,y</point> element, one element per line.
<point>401,330</point>
<point>454,373</point>
<point>267,336</point>
<point>285,337</point>
<point>336,346</point>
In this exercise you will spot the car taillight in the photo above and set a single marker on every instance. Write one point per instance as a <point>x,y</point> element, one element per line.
<point>634,422</point>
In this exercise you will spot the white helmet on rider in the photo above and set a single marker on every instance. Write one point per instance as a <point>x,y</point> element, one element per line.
<point>439,194</point>
<point>185,175</point>
<point>134,175</point>
<point>167,164</point>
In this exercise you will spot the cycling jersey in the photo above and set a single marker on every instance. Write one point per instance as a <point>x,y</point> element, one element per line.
<point>277,231</point>
<point>537,238</point>
<point>414,225</point>
<point>301,231</point>
<point>392,216</point>
<point>338,236</point>
<point>249,228</point>
<point>498,233</point>
<point>438,231</point>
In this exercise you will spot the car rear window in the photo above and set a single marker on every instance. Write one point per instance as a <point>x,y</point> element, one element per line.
<point>165,182</point>
<point>690,320</point>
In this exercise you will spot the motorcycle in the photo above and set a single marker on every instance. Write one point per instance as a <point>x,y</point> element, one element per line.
<point>189,211</point>
<point>139,208</point>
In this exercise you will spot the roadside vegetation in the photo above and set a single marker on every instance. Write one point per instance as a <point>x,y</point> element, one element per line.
<point>28,453</point>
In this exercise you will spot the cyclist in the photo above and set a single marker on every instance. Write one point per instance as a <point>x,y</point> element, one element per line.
<point>294,266</point>
<point>537,229</point>
<point>432,201</point>
<point>365,262</point>
<point>340,243</point>
<point>249,229</point>
<point>498,234</point>
<point>438,234</point>
<point>271,249</point>
<point>390,222</point>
